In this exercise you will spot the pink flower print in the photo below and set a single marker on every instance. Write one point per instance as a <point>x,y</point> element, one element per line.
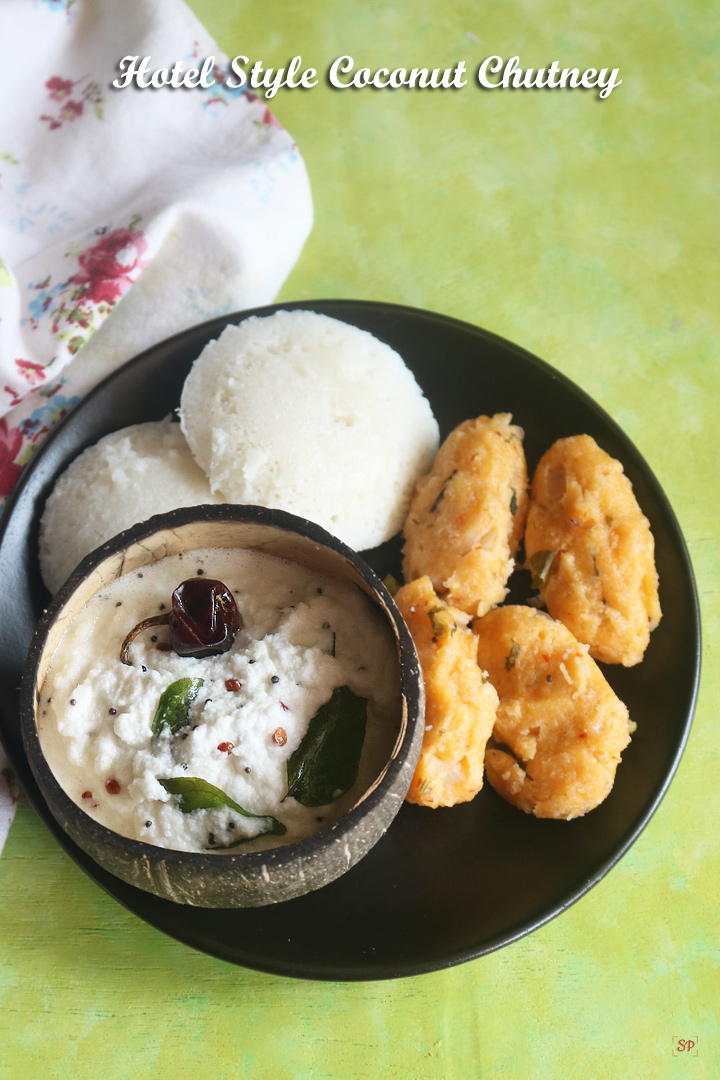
<point>14,397</point>
<point>59,88</point>
<point>34,373</point>
<point>10,443</point>
<point>71,110</point>
<point>67,5</point>
<point>270,121</point>
<point>111,265</point>
<point>86,92</point>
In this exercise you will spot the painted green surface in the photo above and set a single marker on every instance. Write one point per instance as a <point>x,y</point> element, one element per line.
<point>585,231</point>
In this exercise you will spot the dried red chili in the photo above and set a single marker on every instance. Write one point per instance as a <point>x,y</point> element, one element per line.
<point>204,618</point>
<point>203,622</point>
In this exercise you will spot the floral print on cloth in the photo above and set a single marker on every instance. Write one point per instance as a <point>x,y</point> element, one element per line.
<point>73,97</point>
<point>105,271</point>
<point>125,216</point>
<point>10,443</point>
<point>215,196</point>
<point>66,7</point>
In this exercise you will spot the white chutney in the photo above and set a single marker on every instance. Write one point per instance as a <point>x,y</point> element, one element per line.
<point>303,635</point>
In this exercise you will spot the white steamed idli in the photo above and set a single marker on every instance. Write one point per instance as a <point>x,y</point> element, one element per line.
<point>301,412</point>
<point>125,478</point>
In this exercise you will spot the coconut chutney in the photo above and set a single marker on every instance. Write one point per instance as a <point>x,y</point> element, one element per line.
<point>303,635</point>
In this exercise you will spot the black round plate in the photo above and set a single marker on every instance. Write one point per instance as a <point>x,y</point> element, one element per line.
<point>443,886</point>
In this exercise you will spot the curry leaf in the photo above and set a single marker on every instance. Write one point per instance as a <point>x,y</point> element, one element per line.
<point>174,705</point>
<point>198,794</point>
<point>325,764</point>
<point>442,621</point>
<point>512,656</point>
<point>392,584</point>
<point>441,492</point>
<point>541,565</point>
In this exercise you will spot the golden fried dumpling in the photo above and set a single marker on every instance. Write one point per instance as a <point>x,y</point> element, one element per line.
<point>560,728</point>
<point>467,516</point>
<point>588,539</point>
<point>460,703</point>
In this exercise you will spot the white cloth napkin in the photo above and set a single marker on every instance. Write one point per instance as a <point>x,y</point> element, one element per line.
<point>125,215</point>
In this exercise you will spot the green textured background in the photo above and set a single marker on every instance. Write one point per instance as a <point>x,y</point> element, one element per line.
<point>585,231</point>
